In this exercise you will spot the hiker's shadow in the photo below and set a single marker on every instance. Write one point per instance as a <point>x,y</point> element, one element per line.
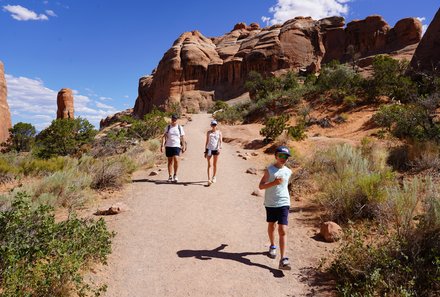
<point>219,254</point>
<point>164,182</point>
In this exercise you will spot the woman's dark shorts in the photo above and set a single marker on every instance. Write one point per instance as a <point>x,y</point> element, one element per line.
<point>277,214</point>
<point>213,153</point>
<point>172,151</point>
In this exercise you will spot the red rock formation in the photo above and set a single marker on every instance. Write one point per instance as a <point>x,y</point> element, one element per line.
<point>5,115</point>
<point>218,67</point>
<point>65,104</point>
<point>427,55</point>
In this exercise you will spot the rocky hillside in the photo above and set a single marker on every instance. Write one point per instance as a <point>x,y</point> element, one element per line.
<point>197,69</point>
<point>5,115</point>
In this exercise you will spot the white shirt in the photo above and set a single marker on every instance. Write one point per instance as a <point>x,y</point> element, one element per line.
<point>173,135</point>
<point>213,140</point>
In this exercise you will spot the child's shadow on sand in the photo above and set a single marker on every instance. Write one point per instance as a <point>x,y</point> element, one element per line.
<point>219,254</point>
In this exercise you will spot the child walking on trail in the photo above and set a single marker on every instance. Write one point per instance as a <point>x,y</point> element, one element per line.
<point>213,146</point>
<point>277,202</point>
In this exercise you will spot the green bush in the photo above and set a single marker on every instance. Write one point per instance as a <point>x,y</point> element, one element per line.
<point>297,132</point>
<point>218,105</point>
<point>65,188</point>
<point>7,171</point>
<point>40,257</point>
<point>230,116</point>
<point>273,127</point>
<point>21,137</point>
<point>389,80</point>
<point>64,137</point>
<point>352,187</point>
<point>152,125</point>
<point>338,77</point>
<point>401,263</point>
<point>33,166</point>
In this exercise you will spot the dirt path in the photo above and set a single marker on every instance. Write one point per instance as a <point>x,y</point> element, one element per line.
<point>187,239</point>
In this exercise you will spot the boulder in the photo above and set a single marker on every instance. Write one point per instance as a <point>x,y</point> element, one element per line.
<point>331,232</point>
<point>65,104</point>
<point>427,55</point>
<point>5,114</point>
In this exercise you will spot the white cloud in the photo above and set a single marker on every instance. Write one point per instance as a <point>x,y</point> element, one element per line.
<point>317,9</point>
<point>51,13</point>
<point>424,26</point>
<point>21,13</point>
<point>105,98</point>
<point>29,99</point>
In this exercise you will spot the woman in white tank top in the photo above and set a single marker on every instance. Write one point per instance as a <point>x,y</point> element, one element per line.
<point>213,146</point>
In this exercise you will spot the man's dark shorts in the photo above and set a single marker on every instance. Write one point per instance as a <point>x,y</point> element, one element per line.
<point>277,214</point>
<point>172,151</point>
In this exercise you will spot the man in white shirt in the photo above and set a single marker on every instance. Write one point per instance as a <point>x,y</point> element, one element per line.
<point>173,140</point>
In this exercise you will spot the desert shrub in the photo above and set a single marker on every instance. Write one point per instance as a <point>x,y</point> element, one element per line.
<point>351,100</point>
<point>230,116</point>
<point>21,137</point>
<point>35,166</point>
<point>40,257</point>
<point>175,108</point>
<point>351,187</point>
<point>389,80</point>
<point>260,87</point>
<point>338,77</point>
<point>153,145</point>
<point>218,105</point>
<point>7,171</point>
<point>297,132</point>
<point>67,188</point>
<point>402,263</point>
<point>273,127</point>
<point>64,137</point>
<point>411,121</point>
<point>111,172</point>
<point>152,125</point>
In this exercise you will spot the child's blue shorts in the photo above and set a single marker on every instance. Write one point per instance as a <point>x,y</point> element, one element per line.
<point>277,214</point>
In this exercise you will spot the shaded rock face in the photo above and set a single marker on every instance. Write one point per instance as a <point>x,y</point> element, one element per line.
<point>5,114</point>
<point>65,104</point>
<point>427,55</point>
<point>218,67</point>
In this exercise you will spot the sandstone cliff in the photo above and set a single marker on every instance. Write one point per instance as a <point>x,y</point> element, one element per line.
<point>196,69</point>
<point>65,104</point>
<point>5,115</point>
<point>427,55</point>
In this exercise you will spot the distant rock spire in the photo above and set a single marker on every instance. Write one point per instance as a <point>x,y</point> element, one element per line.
<point>65,104</point>
<point>5,114</point>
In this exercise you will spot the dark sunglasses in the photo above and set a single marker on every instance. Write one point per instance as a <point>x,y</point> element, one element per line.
<point>283,156</point>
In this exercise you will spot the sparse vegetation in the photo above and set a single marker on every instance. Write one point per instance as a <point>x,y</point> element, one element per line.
<point>40,257</point>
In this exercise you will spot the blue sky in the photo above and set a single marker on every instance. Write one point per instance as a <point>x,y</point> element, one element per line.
<point>100,48</point>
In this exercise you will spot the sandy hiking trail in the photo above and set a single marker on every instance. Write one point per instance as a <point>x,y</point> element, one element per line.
<point>187,239</point>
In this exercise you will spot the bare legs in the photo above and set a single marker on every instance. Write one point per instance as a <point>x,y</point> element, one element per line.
<point>208,158</point>
<point>282,234</point>
<point>172,160</point>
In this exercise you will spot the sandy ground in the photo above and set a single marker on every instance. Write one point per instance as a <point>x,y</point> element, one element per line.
<point>187,239</point>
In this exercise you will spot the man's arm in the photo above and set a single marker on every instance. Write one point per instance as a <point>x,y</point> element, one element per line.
<point>162,142</point>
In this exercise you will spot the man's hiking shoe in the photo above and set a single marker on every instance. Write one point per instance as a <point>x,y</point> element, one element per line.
<point>175,179</point>
<point>170,179</point>
<point>213,179</point>
<point>272,252</point>
<point>285,264</point>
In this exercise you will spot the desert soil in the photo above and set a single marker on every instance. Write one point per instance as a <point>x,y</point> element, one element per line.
<point>187,239</point>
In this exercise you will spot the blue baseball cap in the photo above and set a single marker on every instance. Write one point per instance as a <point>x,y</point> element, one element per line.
<point>213,122</point>
<point>283,150</point>
<point>174,117</point>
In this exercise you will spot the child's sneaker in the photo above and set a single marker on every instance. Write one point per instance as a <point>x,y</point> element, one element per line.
<point>272,252</point>
<point>213,179</point>
<point>175,178</point>
<point>285,264</point>
<point>170,179</point>
<point>209,183</point>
